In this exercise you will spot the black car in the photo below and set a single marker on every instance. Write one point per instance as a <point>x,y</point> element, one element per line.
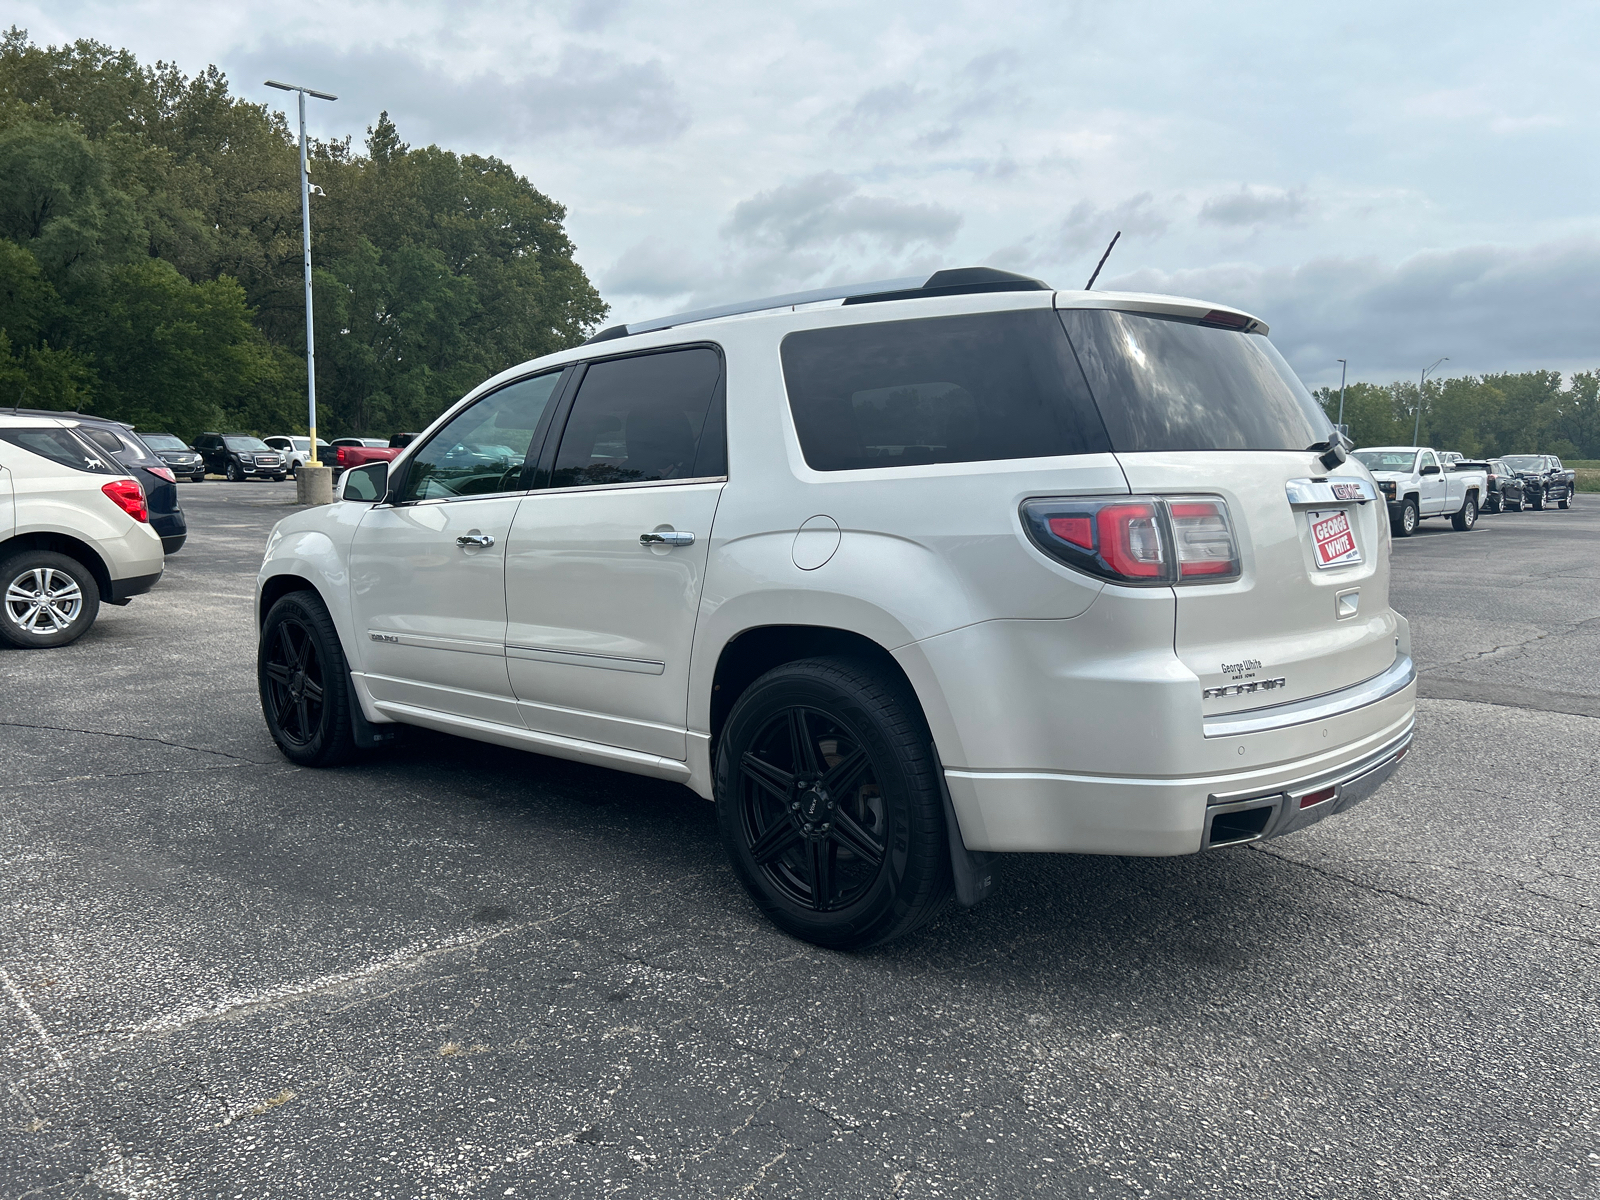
<point>241,455</point>
<point>1544,480</point>
<point>1505,485</point>
<point>171,449</point>
<point>139,460</point>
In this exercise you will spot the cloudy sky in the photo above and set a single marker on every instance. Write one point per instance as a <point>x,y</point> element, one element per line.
<point>1385,182</point>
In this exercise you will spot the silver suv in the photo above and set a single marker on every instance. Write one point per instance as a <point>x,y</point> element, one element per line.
<point>899,575</point>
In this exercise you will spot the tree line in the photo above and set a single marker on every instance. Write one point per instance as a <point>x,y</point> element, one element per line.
<point>1529,412</point>
<point>150,257</point>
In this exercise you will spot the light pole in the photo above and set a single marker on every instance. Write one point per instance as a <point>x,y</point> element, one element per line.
<point>305,240</point>
<point>1416,431</point>
<point>1343,367</point>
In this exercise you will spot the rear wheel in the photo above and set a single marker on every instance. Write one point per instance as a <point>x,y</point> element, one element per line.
<point>1494,505</point>
<point>1563,502</point>
<point>1406,523</point>
<point>829,804</point>
<point>305,683</point>
<point>1468,516</point>
<point>46,599</point>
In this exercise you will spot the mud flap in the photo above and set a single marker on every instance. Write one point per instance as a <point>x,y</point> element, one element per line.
<point>368,736</point>
<point>972,871</point>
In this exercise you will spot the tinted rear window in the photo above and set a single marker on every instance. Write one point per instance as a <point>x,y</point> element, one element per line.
<point>1165,383</point>
<point>61,446</point>
<point>938,390</point>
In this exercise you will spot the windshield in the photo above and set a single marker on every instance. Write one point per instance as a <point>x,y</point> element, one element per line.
<point>162,441</point>
<point>1168,383</point>
<point>1386,460</point>
<point>1525,462</point>
<point>245,443</point>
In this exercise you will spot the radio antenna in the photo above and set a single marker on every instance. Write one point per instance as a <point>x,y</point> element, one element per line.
<point>1088,287</point>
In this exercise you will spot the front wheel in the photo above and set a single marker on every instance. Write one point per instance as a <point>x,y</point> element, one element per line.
<point>199,477</point>
<point>46,599</point>
<point>1564,502</point>
<point>279,478</point>
<point>1537,504</point>
<point>1406,523</point>
<point>1468,516</point>
<point>235,473</point>
<point>829,804</point>
<point>304,682</point>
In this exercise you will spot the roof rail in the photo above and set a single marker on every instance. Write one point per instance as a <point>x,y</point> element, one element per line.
<point>954,282</point>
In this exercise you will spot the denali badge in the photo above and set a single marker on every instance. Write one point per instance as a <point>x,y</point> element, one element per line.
<point>384,637</point>
<point>1241,689</point>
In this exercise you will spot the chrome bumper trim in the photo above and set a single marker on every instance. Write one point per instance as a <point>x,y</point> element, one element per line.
<point>1317,708</point>
<point>1347,787</point>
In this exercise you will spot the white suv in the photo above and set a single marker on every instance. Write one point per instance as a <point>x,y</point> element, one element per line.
<point>898,575</point>
<point>74,533</point>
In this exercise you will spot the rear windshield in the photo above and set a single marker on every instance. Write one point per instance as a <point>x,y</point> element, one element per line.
<point>61,446</point>
<point>938,390</point>
<point>1167,383</point>
<point>1386,460</point>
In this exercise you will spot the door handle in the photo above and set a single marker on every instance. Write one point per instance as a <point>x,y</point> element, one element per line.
<point>475,539</point>
<point>670,537</point>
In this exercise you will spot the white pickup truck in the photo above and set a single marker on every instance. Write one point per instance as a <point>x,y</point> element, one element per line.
<point>1417,484</point>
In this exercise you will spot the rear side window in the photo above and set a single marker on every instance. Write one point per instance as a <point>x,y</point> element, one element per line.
<point>1166,383</point>
<point>60,446</point>
<point>645,418</point>
<point>938,390</point>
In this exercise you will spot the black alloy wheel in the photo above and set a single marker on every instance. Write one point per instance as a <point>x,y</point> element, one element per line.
<point>829,804</point>
<point>304,682</point>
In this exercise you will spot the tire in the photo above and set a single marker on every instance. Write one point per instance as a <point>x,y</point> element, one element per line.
<point>68,588</point>
<point>1564,502</point>
<point>1517,507</point>
<point>279,478</point>
<point>1468,516</point>
<point>235,473</point>
<point>1495,504</point>
<point>1537,503</point>
<point>1406,523</point>
<point>200,478</point>
<point>304,682</point>
<point>848,865</point>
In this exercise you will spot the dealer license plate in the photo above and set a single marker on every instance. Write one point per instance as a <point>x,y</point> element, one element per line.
<point>1333,540</point>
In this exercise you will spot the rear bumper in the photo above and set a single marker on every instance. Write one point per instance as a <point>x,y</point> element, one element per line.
<point>137,585</point>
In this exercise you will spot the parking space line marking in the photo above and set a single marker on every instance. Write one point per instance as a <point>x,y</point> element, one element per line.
<point>32,1017</point>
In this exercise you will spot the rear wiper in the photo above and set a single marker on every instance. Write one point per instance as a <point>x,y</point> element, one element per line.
<point>1333,451</point>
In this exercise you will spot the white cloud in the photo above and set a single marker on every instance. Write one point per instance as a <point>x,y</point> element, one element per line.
<point>1255,205</point>
<point>1488,307</point>
<point>829,209</point>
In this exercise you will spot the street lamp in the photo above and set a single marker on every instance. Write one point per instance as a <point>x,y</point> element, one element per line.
<point>1416,431</point>
<point>1343,367</point>
<point>305,239</point>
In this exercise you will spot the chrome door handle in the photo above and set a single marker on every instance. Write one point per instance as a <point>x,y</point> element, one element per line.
<point>670,537</point>
<point>475,539</point>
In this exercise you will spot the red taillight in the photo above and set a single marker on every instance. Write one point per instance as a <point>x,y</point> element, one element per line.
<point>129,497</point>
<point>1232,320</point>
<point>1137,539</point>
<point>338,456</point>
<point>1130,540</point>
<point>164,473</point>
<point>1204,541</point>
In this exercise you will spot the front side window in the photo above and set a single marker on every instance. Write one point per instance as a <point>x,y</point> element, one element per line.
<point>642,419</point>
<point>1428,460</point>
<point>62,447</point>
<point>938,390</point>
<point>483,448</point>
<point>1169,383</point>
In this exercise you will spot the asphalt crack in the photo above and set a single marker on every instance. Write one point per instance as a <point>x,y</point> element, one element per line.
<point>134,737</point>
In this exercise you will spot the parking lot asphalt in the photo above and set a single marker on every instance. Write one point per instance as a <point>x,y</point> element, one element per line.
<point>459,970</point>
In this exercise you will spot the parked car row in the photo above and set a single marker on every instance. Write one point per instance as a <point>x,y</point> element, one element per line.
<point>1419,482</point>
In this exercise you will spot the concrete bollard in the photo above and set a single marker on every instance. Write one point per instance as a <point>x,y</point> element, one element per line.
<point>313,485</point>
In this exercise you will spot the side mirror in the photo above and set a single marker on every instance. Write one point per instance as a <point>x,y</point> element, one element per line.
<point>1430,470</point>
<point>365,485</point>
